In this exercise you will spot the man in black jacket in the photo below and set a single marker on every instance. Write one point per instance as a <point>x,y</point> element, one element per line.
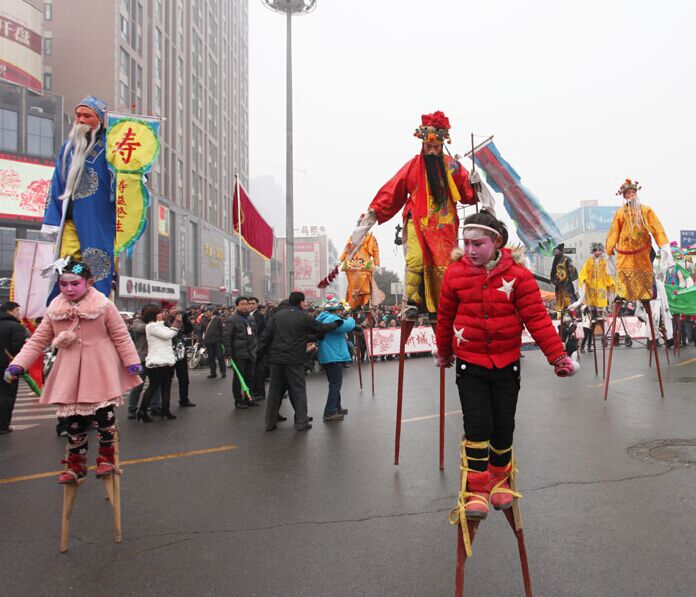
<point>284,343</point>
<point>240,344</point>
<point>258,388</point>
<point>13,335</point>
<point>211,328</point>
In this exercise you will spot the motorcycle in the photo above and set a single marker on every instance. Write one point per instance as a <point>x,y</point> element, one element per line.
<point>197,354</point>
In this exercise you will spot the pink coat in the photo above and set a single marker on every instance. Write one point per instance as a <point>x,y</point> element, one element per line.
<point>95,350</point>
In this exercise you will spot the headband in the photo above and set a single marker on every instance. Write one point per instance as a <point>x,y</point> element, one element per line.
<point>482,227</point>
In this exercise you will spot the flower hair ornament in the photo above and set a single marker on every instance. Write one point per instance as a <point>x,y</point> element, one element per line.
<point>434,128</point>
<point>628,185</point>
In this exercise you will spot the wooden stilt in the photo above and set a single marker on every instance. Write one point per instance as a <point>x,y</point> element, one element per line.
<point>677,336</point>
<point>612,330</point>
<point>112,491</point>
<point>406,327</point>
<point>604,348</point>
<point>648,310</point>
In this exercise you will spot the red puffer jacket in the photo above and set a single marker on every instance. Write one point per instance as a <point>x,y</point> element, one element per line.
<point>481,314</point>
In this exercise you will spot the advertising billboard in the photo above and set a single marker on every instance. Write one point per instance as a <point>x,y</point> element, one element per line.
<point>599,217</point>
<point>24,186</point>
<point>307,266</point>
<point>21,50</point>
<point>687,238</point>
<point>129,287</point>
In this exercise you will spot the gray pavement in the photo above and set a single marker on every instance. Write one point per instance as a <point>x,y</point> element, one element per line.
<point>326,513</point>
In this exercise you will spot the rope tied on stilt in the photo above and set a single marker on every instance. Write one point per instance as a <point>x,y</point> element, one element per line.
<point>513,472</point>
<point>457,515</point>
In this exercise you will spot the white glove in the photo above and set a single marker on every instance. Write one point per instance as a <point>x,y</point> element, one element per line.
<point>484,195</point>
<point>666,259</point>
<point>49,233</point>
<point>474,177</point>
<point>611,265</point>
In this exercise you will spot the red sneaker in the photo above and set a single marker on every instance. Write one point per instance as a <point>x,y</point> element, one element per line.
<point>75,471</point>
<point>499,487</point>
<point>476,506</point>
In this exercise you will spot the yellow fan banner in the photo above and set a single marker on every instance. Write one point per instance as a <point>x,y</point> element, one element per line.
<point>132,146</point>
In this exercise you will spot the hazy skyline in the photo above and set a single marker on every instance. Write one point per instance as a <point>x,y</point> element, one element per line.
<point>578,97</point>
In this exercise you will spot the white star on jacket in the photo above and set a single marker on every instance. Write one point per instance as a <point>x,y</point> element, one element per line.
<point>507,287</point>
<point>459,335</point>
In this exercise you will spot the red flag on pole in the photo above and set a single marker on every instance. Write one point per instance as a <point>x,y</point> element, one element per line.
<point>256,232</point>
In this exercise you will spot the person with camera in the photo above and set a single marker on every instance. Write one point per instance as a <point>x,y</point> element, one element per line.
<point>179,345</point>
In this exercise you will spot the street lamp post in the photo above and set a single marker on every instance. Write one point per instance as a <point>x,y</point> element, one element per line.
<point>290,8</point>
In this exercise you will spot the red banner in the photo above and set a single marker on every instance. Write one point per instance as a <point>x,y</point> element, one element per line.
<point>257,234</point>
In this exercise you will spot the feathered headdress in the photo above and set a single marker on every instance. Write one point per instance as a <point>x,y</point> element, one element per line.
<point>628,185</point>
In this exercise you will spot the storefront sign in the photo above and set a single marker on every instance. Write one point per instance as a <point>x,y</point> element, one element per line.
<point>199,295</point>
<point>24,186</point>
<point>148,289</point>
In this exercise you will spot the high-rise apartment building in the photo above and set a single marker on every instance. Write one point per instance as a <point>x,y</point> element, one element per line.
<point>187,62</point>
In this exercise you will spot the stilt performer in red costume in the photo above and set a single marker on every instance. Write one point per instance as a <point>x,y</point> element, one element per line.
<point>487,296</point>
<point>427,189</point>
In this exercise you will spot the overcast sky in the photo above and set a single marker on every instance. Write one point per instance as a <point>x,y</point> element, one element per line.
<point>578,97</point>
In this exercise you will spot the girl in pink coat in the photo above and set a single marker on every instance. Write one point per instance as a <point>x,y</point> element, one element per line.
<point>96,363</point>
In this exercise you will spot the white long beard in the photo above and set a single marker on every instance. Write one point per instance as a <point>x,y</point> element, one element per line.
<point>79,144</point>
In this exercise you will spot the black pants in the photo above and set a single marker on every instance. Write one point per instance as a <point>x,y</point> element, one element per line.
<point>215,353</point>
<point>78,426</point>
<point>182,374</point>
<point>258,389</point>
<point>246,368</point>
<point>489,401</point>
<point>8,395</point>
<point>290,377</point>
<point>587,338</point>
<point>158,378</point>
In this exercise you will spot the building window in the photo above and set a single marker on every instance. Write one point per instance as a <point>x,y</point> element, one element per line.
<point>7,248</point>
<point>124,62</point>
<point>39,136</point>
<point>48,81</point>
<point>9,121</point>
<point>124,27</point>
<point>48,11</point>
<point>48,46</point>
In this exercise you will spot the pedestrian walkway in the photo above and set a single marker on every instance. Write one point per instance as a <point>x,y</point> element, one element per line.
<point>28,412</point>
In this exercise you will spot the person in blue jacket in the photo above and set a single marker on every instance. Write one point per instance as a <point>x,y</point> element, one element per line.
<point>333,352</point>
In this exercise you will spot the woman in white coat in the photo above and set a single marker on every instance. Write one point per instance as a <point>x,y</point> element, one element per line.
<point>160,360</point>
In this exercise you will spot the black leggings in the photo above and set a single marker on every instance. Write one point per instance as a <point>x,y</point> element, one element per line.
<point>77,426</point>
<point>489,401</point>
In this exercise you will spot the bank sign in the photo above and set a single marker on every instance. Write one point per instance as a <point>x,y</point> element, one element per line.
<point>148,289</point>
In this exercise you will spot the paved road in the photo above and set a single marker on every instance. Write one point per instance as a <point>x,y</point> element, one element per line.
<point>326,513</point>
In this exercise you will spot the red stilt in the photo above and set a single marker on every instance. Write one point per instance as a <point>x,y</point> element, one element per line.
<point>594,347</point>
<point>604,348</point>
<point>461,556</point>
<point>612,330</point>
<point>406,327</point>
<point>648,310</point>
<point>442,418</point>
<point>359,357</point>
<point>371,321</point>
<point>519,534</point>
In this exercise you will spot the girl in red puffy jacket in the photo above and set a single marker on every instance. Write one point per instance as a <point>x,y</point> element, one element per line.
<point>487,296</point>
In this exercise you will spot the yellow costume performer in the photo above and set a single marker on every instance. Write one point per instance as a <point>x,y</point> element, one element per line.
<point>629,235</point>
<point>594,280</point>
<point>359,269</point>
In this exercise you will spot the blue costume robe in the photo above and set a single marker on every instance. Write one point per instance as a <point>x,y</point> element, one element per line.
<point>93,212</point>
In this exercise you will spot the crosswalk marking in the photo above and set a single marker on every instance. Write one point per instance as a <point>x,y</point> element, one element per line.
<point>33,418</point>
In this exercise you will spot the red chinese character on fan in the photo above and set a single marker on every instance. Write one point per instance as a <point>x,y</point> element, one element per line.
<point>127,146</point>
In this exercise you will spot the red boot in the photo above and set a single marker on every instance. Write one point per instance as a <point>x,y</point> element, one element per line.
<point>499,486</point>
<point>76,469</point>
<point>105,461</point>
<point>476,506</point>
